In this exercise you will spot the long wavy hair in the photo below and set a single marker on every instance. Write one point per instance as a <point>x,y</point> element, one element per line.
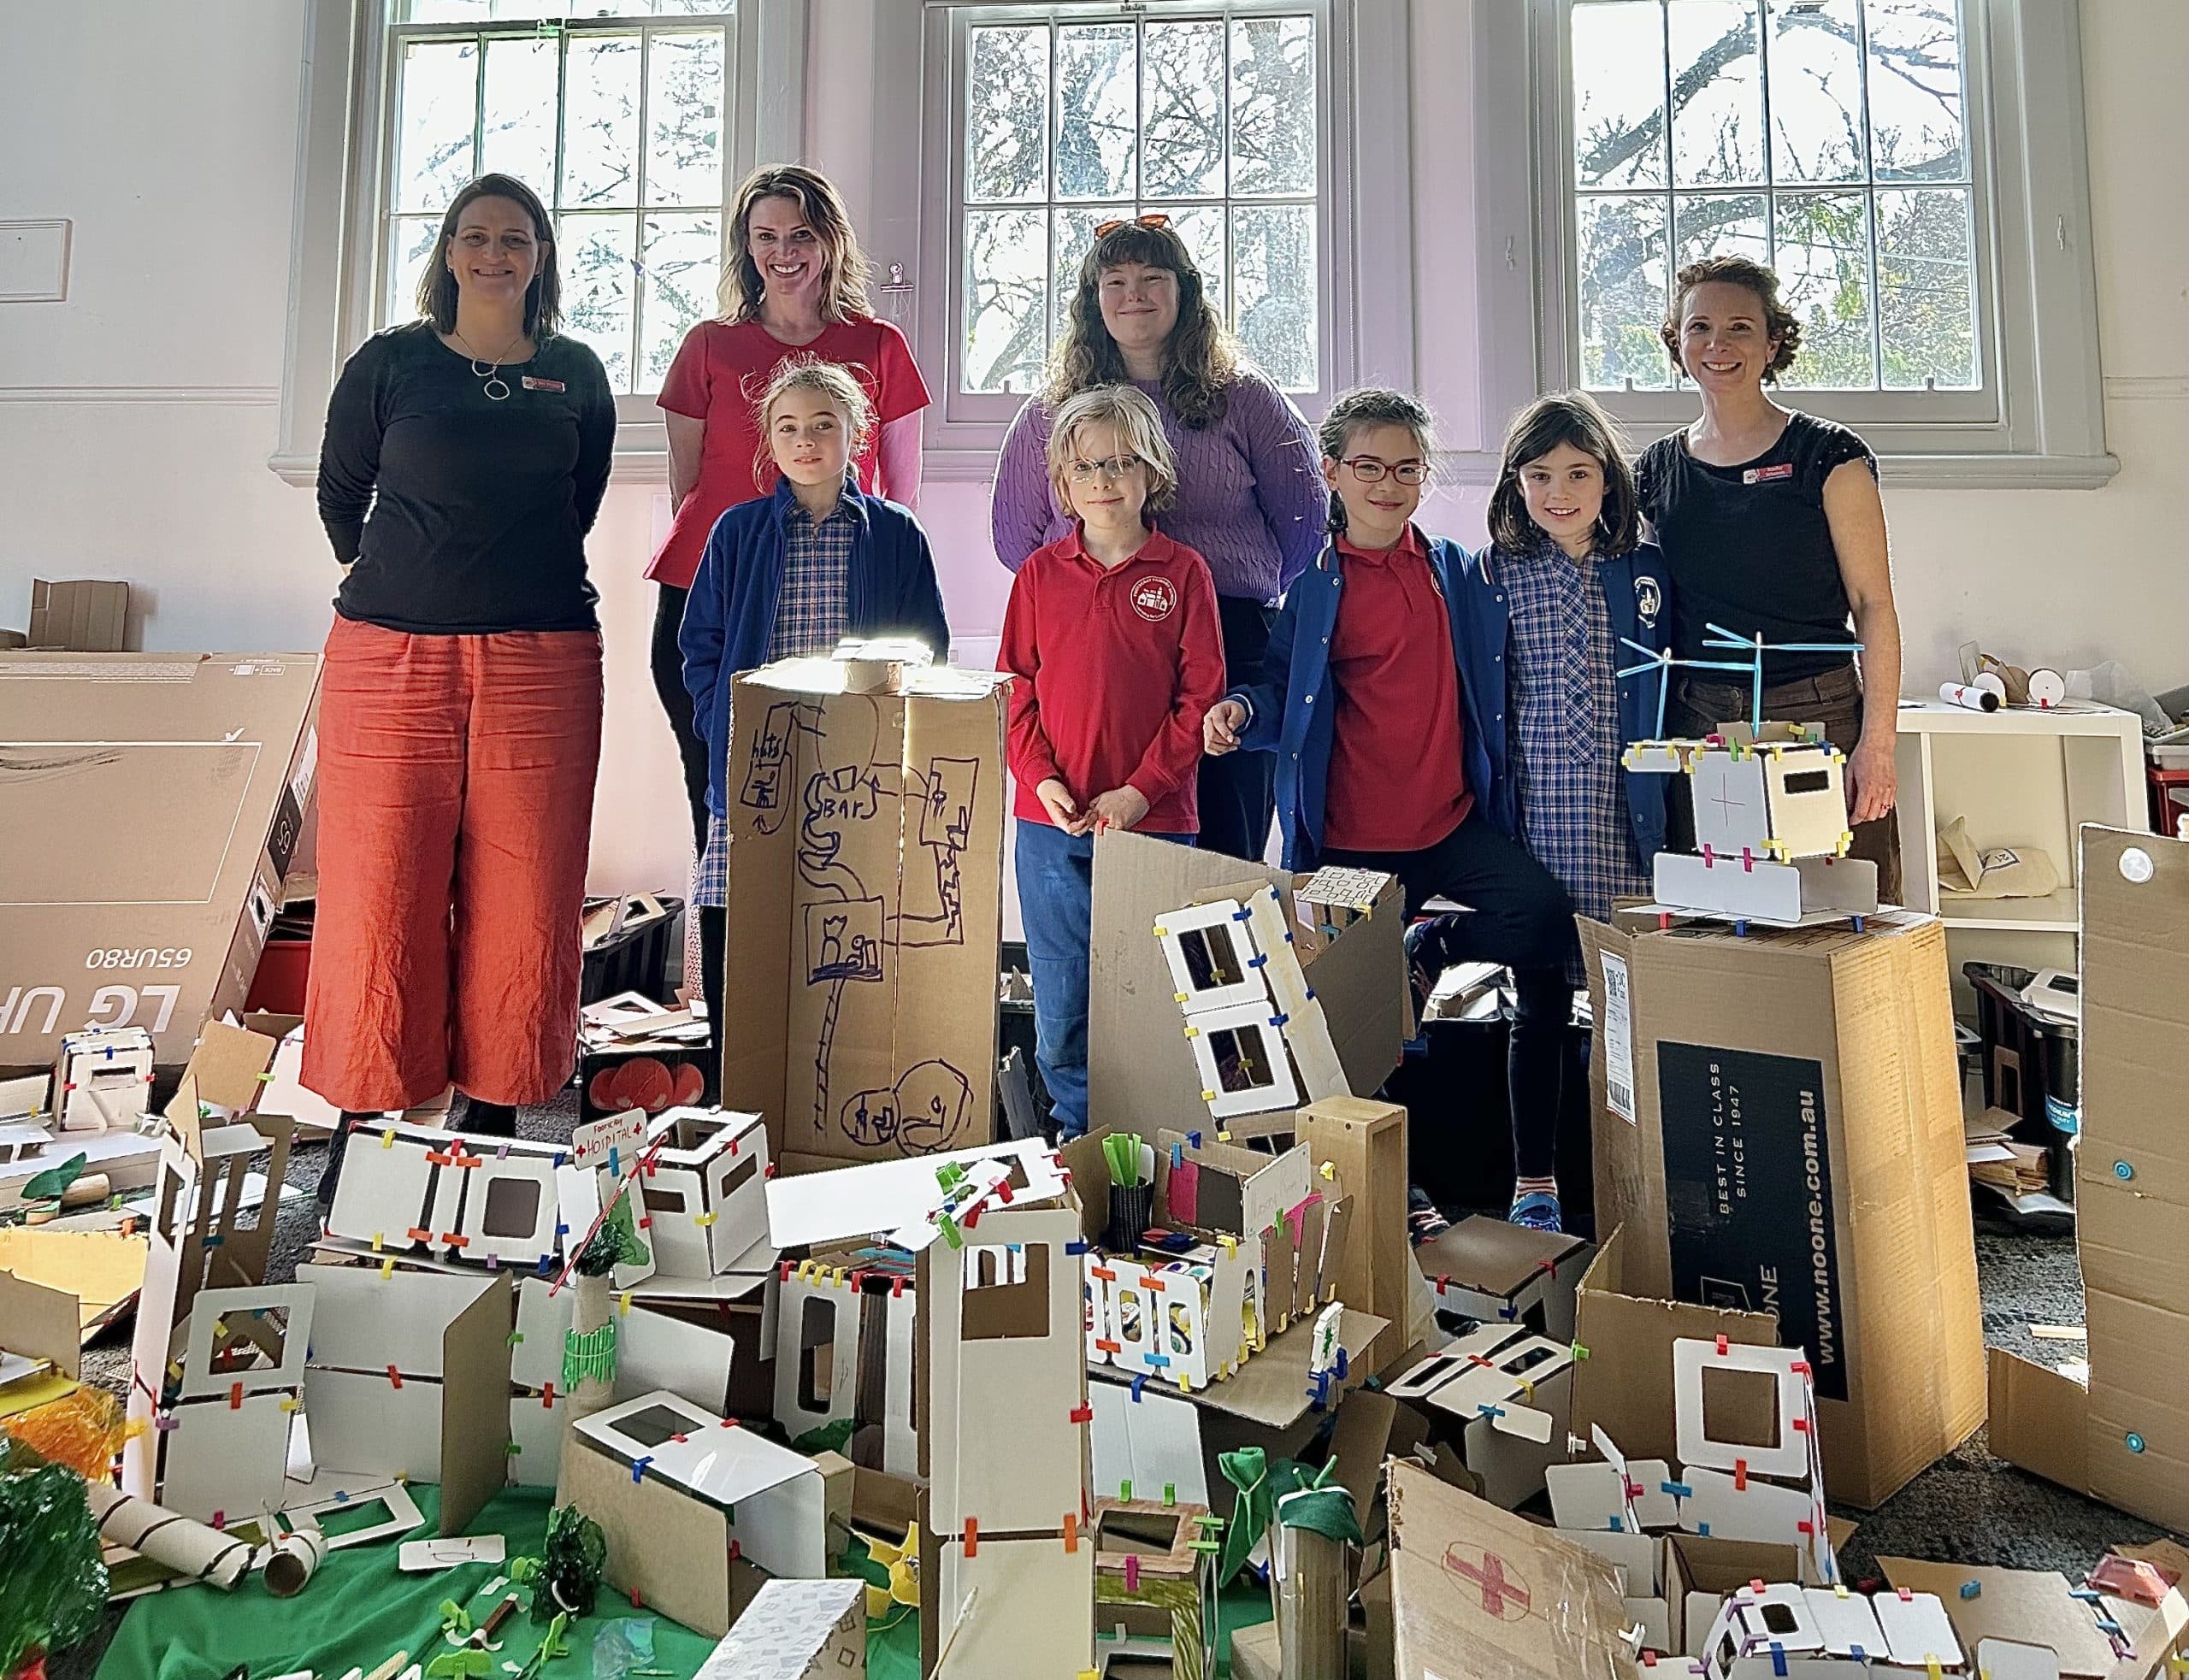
<point>1200,358</point>
<point>846,270</point>
<point>543,312</point>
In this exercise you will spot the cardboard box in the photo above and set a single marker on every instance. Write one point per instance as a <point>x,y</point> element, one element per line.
<point>149,808</point>
<point>795,1631</point>
<point>1141,1071</point>
<point>79,616</point>
<point>2125,1439</point>
<point>867,856</point>
<point>1365,1142</point>
<point>1752,1094</point>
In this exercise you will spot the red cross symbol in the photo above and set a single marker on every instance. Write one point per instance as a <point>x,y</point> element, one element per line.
<point>1503,1596</point>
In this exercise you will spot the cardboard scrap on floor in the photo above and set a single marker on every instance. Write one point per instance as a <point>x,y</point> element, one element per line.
<point>103,1270</point>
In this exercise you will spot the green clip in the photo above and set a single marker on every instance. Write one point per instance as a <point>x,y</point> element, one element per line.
<point>1170,1493</point>
<point>1124,1493</point>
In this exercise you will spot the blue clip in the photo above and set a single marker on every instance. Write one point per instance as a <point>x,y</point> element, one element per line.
<point>1178,1155</point>
<point>1342,1362</point>
<point>639,1468</point>
<point>1138,1383</point>
<point>213,1241</point>
<point>1193,1138</point>
<point>1677,1489</point>
<point>1618,1526</point>
<point>546,1264</point>
<point>1859,1654</point>
<point>558,1158</point>
<point>615,1162</point>
<point>1158,1360</point>
<point>1702,1528</point>
<point>1241,914</point>
<point>1279,1018</point>
<point>1257,962</point>
<point>1508,1313</point>
<point>562,1230</point>
<point>1777,1657</point>
<point>2087,1594</point>
<point>1489,1411</point>
<point>1075,1248</point>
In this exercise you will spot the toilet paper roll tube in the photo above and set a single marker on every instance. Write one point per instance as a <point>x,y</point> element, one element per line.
<point>1967,694</point>
<point>288,1563</point>
<point>167,1538</point>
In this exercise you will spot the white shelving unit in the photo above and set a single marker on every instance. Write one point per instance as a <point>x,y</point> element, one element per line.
<point>2022,778</point>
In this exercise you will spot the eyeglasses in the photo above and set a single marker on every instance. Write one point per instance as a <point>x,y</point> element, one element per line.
<point>1369,470</point>
<point>1114,467</point>
<point>1153,219</point>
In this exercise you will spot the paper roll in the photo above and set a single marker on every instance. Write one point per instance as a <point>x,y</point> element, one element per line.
<point>167,1538</point>
<point>288,1563</point>
<point>1969,695</point>
<point>2046,688</point>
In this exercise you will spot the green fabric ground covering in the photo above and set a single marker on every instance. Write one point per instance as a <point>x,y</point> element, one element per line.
<point>359,1610</point>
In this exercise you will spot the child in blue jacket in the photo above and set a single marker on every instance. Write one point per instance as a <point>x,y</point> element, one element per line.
<point>791,575</point>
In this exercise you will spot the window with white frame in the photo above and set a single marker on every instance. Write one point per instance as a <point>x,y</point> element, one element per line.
<point>1829,138</point>
<point>1066,117</point>
<point>616,112</point>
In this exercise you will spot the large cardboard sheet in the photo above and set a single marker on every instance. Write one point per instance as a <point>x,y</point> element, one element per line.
<point>362,1321</point>
<point>866,846</point>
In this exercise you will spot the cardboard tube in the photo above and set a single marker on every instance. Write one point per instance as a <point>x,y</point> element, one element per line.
<point>2046,688</point>
<point>167,1538</point>
<point>1968,694</point>
<point>1307,1580</point>
<point>287,1564</point>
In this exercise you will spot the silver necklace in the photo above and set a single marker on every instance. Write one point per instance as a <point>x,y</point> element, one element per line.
<point>490,377</point>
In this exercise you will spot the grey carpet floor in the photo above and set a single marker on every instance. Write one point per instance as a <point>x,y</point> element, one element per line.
<point>1970,1506</point>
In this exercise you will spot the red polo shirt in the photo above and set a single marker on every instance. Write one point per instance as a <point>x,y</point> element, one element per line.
<point>1395,782</point>
<point>1115,669</point>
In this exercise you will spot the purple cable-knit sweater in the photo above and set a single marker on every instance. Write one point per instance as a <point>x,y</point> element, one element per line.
<point>1251,500</point>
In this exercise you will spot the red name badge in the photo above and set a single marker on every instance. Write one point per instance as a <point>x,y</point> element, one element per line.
<point>1752,476</point>
<point>532,384</point>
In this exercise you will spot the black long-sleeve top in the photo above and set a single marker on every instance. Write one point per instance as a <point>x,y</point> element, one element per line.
<point>465,516</point>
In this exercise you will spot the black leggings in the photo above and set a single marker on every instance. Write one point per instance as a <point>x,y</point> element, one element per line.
<point>1517,914</point>
<point>676,701</point>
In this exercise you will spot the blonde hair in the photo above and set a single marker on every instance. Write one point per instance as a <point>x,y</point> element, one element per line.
<point>844,290</point>
<point>1133,415</point>
<point>830,380</point>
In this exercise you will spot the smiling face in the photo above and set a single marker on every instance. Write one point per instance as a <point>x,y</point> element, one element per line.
<point>1140,304</point>
<point>1376,514</point>
<point>1724,343</point>
<point>1565,493</point>
<point>1106,481</point>
<point>494,252</point>
<point>792,259</point>
<point>810,437</point>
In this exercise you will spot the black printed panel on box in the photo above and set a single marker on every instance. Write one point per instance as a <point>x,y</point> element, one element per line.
<point>1748,1190</point>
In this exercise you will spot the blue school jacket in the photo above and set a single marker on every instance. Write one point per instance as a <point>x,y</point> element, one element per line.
<point>730,617</point>
<point>1290,709</point>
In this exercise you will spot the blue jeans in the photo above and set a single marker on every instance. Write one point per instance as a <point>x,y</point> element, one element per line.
<point>1056,886</point>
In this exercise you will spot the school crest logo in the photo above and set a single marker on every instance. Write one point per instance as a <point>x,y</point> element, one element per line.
<point>1155,598</point>
<point>1648,601</point>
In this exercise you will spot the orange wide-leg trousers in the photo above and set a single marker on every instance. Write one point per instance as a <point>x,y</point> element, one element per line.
<point>455,776</point>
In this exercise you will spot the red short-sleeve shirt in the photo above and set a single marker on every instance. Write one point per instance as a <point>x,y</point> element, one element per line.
<point>721,372</point>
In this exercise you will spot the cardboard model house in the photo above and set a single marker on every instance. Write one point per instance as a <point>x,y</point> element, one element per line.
<point>40,1357</point>
<point>1012,1586</point>
<point>653,1350</point>
<point>479,1199</point>
<point>601,1178</point>
<point>101,1079</point>
<point>407,1376</point>
<point>706,1185</point>
<point>1490,1271</point>
<point>1511,1391</point>
<point>844,1338</point>
<point>1764,1632</point>
<point>681,1494</point>
<point>1155,1583</point>
<point>866,845</point>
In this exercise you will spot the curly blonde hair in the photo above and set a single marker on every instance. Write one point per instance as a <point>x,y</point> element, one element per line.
<point>1133,416</point>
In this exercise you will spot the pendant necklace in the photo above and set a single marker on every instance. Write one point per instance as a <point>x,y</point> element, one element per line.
<point>490,376</point>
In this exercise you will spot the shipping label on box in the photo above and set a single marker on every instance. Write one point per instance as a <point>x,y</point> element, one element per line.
<point>865,864</point>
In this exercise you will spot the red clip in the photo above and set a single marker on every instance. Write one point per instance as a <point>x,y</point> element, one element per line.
<point>439,1157</point>
<point>1132,1571</point>
<point>972,1536</point>
<point>1801,1425</point>
<point>1550,1267</point>
<point>645,1220</point>
<point>1799,1367</point>
<point>1443,1281</point>
<point>464,1160</point>
<point>736,1551</point>
<point>419,1233</point>
<point>1906,1596</point>
<point>897,1287</point>
<point>235,1396</point>
<point>395,1376</point>
<point>1740,1476</point>
<point>1756,1586</point>
<point>1103,1272</point>
<point>1107,1347</point>
<point>1003,1193</point>
<point>973,1214</point>
<point>455,1240</point>
<point>1070,1532</point>
<point>547,1396</point>
<point>784,1270</point>
<point>1649,1658</point>
<point>1078,1414</point>
<point>1805,1526</point>
<point>635,1602</point>
<point>680,1438</point>
<point>771,1172</point>
<point>730,1423</point>
<point>1721,1347</point>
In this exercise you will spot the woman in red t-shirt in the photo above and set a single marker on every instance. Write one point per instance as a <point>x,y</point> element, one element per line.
<point>795,286</point>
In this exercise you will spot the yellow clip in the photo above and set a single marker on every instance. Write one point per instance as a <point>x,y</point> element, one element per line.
<point>1932,1666</point>
<point>837,1276</point>
<point>1839,1589</point>
<point>1185,1384</point>
<point>703,1218</point>
<point>1527,1390</point>
<point>1162,932</point>
<point>1329,1171</point>
<point>1208,1096</point>
<point>289,1405</point>
<point>387,1267</point>
<point>220,1327</point>
<point>1224,1137</point>
<point>1178,997</point>
<point>623,1302</point>
<point>1229,1244</point>
<point>376,1239</point>
<point>387,1139</point>
<point>1193,1032</point>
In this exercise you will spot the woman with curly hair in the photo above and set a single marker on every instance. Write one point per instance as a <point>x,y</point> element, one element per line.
<point>1249,499</point>
<point>1771,524</point>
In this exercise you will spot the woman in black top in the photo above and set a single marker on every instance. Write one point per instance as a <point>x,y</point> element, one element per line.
<point>459,727</point>
<point>1771,523</point>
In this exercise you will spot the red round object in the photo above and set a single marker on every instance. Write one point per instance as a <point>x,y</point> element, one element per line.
<point>691,1086</point>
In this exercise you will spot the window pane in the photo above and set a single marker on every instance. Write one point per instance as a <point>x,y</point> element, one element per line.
<point>442,11</point>
<point>691,7</point>
<point>1273,291</point>
<point>1816,90</point>
<point>1007,305</point>
<point>436,109</point>
<point>1097,66</point>
<point>1071,229</point>
<point>683,268</point>
<point>1915,90</point>
<point>684,101</point>
<point>1620,248</point>
<point>600,121</point>
<point>1719,224</point>
<point>1619,94</point>
<point>598,293</point>
<point>1823,263</point>
<point>518,137</point>
<point>1007,114</point>
<point>409,243</point>
<point>1201,228</point>
<point>1273,106</point>
<point>1181,99</point>
<point>1717,93</point>
<point>1926,288</point>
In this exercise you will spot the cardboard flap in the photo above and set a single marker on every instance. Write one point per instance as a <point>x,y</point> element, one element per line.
<point>2039,1419</point>
<point>228,1063</point>
<point>37,1323</point>
<point>2030,1606</point>
<point>476,1404</point>
<point>1492,1256</point>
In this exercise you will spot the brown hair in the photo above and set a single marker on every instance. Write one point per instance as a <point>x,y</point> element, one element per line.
<point>1371,405</point>
<point>1565,417</point>
<point>1199,359</point>
<point>831,380</point>
<point>844,286</point>
<point>1127,408</point>
<point>1781,324</point>
<point>543,299</point>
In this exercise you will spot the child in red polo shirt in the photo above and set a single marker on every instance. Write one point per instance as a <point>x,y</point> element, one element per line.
<point>1112,636</point>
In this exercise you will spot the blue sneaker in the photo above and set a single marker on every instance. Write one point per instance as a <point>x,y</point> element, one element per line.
<point>1537,1210</point>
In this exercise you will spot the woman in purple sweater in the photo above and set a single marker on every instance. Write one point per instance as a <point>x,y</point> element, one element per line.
<point>1250,497</point>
